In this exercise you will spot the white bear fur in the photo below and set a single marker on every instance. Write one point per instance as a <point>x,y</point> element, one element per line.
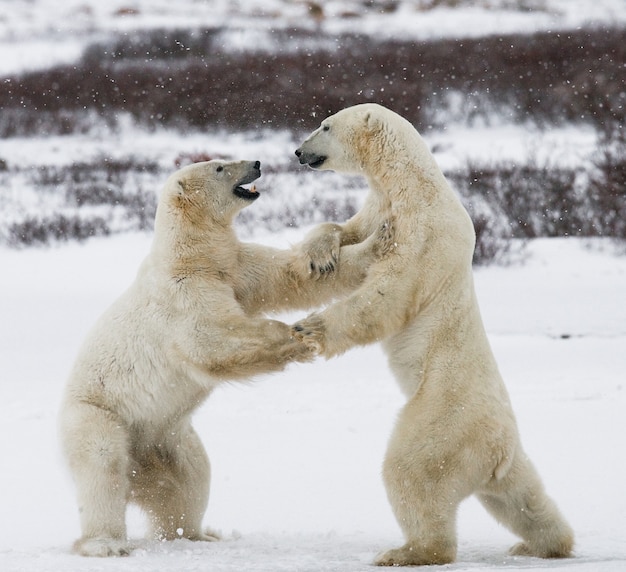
<point>457,433</point>
<point>187,323</point>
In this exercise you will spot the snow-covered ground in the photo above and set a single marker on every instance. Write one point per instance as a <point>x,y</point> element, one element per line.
<point>296,456</point>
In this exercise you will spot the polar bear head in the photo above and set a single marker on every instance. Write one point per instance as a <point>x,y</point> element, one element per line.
<point>361,139</point>
<point>208,193</point>
<point>332,145</point>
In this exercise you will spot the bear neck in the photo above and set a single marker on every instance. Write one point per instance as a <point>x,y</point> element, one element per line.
<point>184,248</point>
<point>401,169</point>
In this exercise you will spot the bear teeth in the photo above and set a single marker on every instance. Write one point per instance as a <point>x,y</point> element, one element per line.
<point>253,189</point>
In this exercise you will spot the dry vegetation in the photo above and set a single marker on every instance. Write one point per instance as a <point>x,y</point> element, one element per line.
<point>187,80</point>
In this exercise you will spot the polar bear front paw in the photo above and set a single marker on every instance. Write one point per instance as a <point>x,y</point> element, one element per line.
<point>311,331</point>
<point>320,253</point>
<point>385,238</point>
<point>102,547</point>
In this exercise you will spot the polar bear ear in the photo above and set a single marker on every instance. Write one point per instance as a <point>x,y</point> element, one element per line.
<point>372,121</point>
<point>180,194</point>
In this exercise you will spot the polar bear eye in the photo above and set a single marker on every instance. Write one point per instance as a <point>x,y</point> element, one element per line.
<point>220,168</point>
<point>326,128</point>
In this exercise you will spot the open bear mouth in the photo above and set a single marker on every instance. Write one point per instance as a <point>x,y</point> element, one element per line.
<point>250,194</point>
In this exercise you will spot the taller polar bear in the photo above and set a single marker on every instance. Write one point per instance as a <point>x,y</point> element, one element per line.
<point>456,434</point>
<point>188,322</point>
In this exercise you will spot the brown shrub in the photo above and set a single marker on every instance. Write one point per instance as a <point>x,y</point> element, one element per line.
<point>188,78</point>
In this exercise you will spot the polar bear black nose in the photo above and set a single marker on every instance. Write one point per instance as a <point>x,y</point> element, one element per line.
<point>298,152</point>
<point>257,164</point>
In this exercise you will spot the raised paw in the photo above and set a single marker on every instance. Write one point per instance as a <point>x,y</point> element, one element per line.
<point>320,254</point>
<point>311,331</point>
<point>381,242</point>
<point>386,238</point>
<point>322,264</point>
<point>300,350</point>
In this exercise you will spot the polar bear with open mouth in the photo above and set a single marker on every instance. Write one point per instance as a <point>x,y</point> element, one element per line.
<point>189,322</point>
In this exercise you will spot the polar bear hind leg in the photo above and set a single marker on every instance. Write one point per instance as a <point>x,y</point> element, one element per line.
<point>519,502</point>
<point>171,484</point>
<point>426,513</point>
<point>425,484</point>
<point>97,449</point>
